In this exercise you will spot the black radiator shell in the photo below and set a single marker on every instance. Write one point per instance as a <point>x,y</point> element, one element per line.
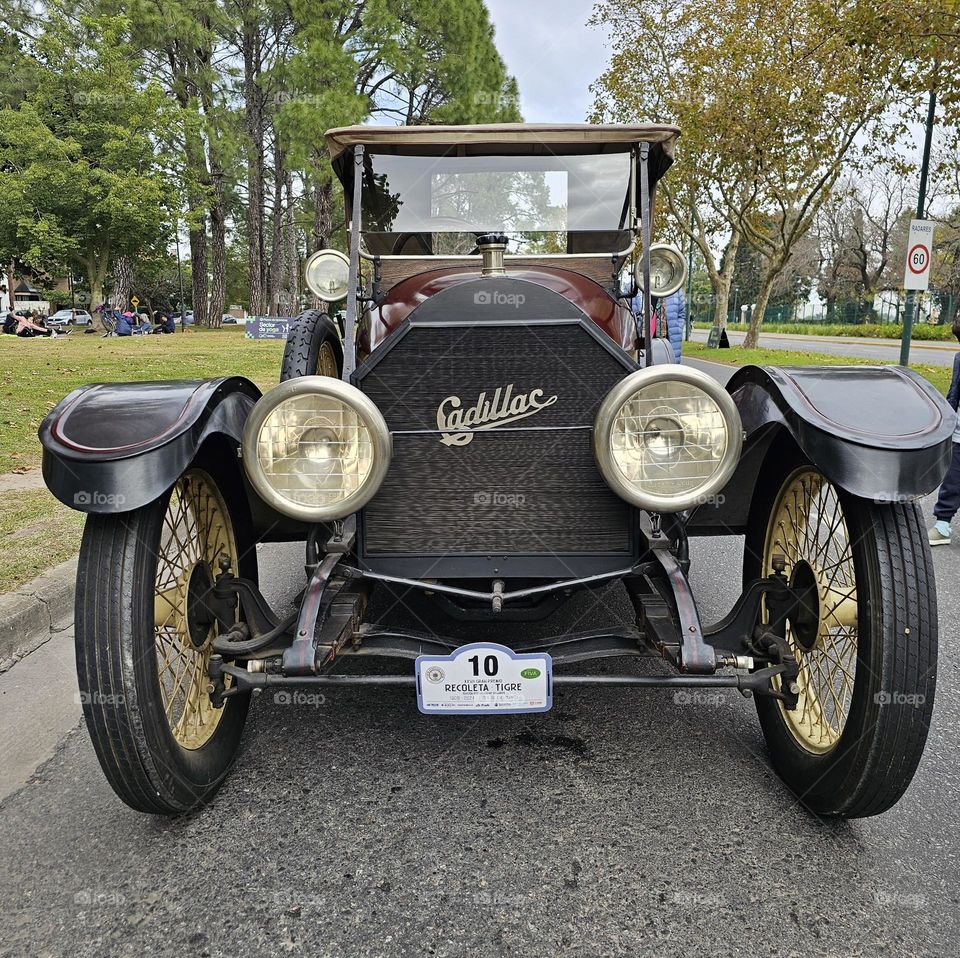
<point>569,524</point>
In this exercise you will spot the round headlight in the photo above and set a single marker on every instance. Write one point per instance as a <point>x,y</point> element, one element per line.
<point>316,448</point>
<point>667,438</point>
<point>668,270</point>
<point>328,274</point>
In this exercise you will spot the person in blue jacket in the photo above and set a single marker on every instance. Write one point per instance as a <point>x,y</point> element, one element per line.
<point>167,324</point>
<point>123,327</point>
<point>675,311</point>
<point>948,502</point>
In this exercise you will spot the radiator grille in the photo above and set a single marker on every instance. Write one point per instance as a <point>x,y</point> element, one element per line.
<point>529,486</point>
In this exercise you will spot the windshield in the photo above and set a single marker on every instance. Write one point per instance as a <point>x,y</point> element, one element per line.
<point>541,202</point>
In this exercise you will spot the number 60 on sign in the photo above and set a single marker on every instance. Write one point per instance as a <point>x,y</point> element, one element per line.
<point>916,274</point>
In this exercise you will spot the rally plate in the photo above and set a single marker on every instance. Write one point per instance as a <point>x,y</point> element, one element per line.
<point>484,678</point>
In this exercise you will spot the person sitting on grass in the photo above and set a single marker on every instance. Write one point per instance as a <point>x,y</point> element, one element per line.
<point>10,323</point>
<point>26,327</point>
<point>948,502</point>
<point>139,323</point>
<point>166,325</point>
<point>123,327</point>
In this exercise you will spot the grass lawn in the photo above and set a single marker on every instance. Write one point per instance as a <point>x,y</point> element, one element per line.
<point>36,531</point>
<point>921,331</point>
<point>737,356</point>
<point>35,374</point>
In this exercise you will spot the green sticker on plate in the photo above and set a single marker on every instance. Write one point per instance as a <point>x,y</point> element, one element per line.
<point>530,673</point>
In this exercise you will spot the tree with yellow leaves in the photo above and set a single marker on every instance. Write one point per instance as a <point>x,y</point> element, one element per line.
<point>777,99</point>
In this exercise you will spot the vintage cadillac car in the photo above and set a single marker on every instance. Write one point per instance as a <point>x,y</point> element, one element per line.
<point>490,427</point>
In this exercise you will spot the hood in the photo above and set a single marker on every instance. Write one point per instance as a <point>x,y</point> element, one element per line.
<point>614,319</point>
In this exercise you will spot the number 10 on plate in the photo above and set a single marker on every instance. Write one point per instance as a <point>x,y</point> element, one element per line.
<point>482,679</point>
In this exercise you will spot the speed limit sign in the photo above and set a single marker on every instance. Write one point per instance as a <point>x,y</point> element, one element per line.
<point>916,274</point>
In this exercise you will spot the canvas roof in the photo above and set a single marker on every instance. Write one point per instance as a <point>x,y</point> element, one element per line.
<point>556,138</point>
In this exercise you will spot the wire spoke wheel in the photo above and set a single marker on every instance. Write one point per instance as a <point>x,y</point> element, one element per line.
<point>808,528</point>
<point>196,533</point>
<point>863,632</point>
<point>144,637</point>
<point>327,361</point>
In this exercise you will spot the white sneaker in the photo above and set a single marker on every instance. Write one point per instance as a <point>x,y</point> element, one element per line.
<point>937,538</point>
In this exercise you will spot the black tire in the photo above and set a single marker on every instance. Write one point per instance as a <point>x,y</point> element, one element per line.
<point>119,646</point>
<point>869,766</point>
<point>313,346</point>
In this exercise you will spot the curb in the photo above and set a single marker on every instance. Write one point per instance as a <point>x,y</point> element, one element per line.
<point>35,611</point>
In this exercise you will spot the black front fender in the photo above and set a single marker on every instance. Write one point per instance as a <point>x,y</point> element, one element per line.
<point>878,432</point>
<point>116,447</point>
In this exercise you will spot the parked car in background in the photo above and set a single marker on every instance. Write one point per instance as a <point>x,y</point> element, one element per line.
<point>70,317</point>
<point>185,318</point>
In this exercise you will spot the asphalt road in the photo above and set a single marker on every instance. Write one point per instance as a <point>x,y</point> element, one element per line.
<point>620,823</point>
<point>934,354</point>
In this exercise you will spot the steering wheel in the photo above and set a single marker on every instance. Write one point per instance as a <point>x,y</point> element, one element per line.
<point>403,238</point>
<point>451,223</point>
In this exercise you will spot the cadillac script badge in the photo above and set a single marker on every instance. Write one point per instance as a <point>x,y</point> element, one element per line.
<point>458,424</point>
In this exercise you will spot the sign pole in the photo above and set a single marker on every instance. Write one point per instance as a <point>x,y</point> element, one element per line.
<point>921,202</point>
<point>688,332</point>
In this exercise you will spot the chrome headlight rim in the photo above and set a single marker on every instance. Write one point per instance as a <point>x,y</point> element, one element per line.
<point>607,416</point>
<point>326,295</point>
<point>345,393</point>
<point>672,250</point>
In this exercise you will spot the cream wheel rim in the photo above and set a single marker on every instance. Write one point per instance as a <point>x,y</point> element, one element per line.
<point>327,361</point>
<point>808,528</point>
<point>196,532</point>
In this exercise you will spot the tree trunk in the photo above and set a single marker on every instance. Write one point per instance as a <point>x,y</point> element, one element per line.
<point>276,258</point>
<point>256,131</point>
<point>218,252</point>
<point>122,282</point>
<point>197,200</point>
<point>721,281</point>
<point>12,285</point>
<point>322,230</point>
<point>96,270</point>
<point>291,258</point>
<point>322,216</point>
<point>184,67</point>
<point>198,268</point>
<point>763,296</point>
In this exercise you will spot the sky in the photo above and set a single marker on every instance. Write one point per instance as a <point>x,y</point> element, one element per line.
<point>555,56</point>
